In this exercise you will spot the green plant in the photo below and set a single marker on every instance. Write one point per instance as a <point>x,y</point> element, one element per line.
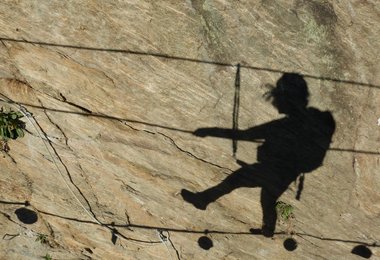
<point>11,127</point>
<point>42,238</point>
<point>47,257</point>
<point>284,210</point>
<point>10,124</point>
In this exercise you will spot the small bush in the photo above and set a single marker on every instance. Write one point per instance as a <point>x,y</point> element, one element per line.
<point>284,210</point>
<point>11,127</point>
<point>42,238</point>
<point>47,257</point>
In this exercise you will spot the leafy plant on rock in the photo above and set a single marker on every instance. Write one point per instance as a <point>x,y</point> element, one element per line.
<point>47,257</point>
<point>11,127</point>
<point>42,238</point>
<point>285,211</point>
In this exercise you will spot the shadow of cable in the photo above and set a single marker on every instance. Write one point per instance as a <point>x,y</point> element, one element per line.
<point>361,249</point>
<point>170,128</point>
<point>186,59</point>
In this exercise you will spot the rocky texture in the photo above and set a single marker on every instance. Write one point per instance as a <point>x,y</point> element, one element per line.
<point>114,91</point>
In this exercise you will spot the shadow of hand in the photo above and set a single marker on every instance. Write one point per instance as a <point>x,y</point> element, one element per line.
<point>202,132</point>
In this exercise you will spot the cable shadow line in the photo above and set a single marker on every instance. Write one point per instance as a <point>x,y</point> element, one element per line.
<point>26,203</point>
<point>108,226</point>
<point>87,114</point>
<point>165,127</point>
<point>125,51</point>
<point>167,56</point>
<point>12,202</point>
<point>355,151</point>
<point>374,244</point>
<point>206,231</point>
<point>150,227</point>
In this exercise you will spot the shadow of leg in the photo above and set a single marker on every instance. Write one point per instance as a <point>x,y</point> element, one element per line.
<point>268,204</point>
<point>243,177</point>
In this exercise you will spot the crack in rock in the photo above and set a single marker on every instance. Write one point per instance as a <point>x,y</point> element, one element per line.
<point>192,155</point>
<point>116,232</point>
<point>136,129</point>
<point>167,238</point>
<point>175,249</point>
<point>6,154</point>
<point>179,148</point>
<point>129,188</point>
<point>11,220</point>
<point>129,223</point>
<point>64,100</point>
<point>66,170</point>
<point>55,124</point>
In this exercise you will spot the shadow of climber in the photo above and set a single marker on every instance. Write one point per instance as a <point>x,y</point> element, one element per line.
<point>292,145</point>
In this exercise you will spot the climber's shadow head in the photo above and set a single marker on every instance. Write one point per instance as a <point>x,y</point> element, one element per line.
<point>290,95</point>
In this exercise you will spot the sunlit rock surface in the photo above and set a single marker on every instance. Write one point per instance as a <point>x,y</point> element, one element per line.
<point>112,92</point>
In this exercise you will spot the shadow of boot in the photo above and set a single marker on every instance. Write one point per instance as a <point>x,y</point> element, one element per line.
<point>267,231</point>
<point>194,198</point>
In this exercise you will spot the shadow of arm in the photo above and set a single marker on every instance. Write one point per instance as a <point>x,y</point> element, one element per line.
<point>250,134</point>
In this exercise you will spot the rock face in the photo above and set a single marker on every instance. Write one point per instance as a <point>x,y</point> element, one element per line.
<point>111,93</point>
